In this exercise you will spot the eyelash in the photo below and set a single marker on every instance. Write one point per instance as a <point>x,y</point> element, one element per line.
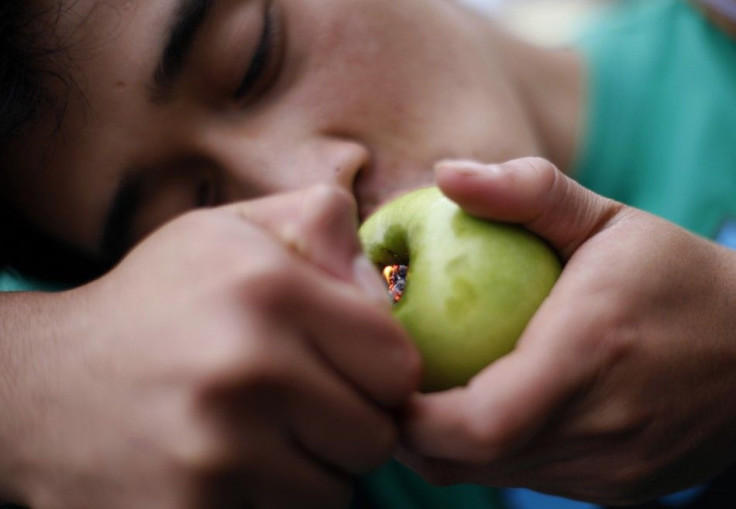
<point>206,193</point>
<point>264,65</point>
<point>261,74</point>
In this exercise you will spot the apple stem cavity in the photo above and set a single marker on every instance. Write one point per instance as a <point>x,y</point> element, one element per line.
<point>395,276</point>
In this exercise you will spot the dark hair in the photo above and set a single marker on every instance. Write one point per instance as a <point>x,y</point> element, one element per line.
<point>24,52</point>
<point>28,62</point>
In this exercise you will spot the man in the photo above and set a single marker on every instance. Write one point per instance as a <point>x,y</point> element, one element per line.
<point>211,366</point>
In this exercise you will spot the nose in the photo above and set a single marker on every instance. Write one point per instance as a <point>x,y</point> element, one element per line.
<point>345,159</point>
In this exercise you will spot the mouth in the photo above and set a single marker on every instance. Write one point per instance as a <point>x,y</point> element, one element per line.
<point>381,184</point>
<point>365,211</point>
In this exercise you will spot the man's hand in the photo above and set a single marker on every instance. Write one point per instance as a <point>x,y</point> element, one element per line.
<point>621,388</point>
<point>233,359</point>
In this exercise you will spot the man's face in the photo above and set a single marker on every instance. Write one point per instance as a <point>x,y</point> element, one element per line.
<point>177,104</point>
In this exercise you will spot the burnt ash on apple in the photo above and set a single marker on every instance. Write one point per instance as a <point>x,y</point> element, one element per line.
<point>395,276</point>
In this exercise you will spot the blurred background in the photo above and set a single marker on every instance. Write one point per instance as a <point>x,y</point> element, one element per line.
<point>549,22</point>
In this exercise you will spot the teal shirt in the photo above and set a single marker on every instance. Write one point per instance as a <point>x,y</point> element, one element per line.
<point>13,281</point>
<point>396,487</point>
<point>661,132</point>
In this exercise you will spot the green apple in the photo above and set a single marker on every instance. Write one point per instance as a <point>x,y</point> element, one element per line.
<point>471,285</point>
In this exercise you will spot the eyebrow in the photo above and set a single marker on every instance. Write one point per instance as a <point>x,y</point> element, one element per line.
<point>187,20</point>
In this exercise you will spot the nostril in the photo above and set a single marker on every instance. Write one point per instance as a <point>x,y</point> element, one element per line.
<point>350,159</point>
<point>348,175</point>
<point>343,160</point>
<point>344,177</point>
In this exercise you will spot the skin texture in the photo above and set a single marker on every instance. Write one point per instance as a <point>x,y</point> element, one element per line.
<point>227,337</point>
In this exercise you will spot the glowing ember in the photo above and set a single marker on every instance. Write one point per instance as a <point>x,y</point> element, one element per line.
<point>395,276</point>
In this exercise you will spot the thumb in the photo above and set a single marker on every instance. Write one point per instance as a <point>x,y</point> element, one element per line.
<point>318,224</point>
<point>530,191</point>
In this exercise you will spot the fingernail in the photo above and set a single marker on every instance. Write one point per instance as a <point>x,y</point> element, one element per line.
<point>465,167</point>
<point>369,280</point>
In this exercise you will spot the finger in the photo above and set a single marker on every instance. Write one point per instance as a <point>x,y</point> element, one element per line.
<point>250,454</point>
<point>361,341</point>
<point>286,477</point>
<point>530,191</point>
<point>320,225</point>
<point>311,404</point>
<point>326,414</point>
<point>336,423</point>
<point>509,403</point>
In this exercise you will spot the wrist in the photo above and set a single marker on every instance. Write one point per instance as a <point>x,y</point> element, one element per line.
<point>31,324</point>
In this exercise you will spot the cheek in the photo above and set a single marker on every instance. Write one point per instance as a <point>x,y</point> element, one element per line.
<point>403,76</point>
<point>63,205</point>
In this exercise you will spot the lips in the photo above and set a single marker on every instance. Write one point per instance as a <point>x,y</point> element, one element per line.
<point>379,184</point>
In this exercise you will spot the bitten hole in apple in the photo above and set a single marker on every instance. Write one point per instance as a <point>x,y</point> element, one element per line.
<point>395,276</point>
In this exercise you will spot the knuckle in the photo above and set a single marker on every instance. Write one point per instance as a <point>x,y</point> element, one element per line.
<point>619,343</point>
<point>255,368</point>
<point>613,337</point>
<point>206,463</point>
<point>264,370</point>
<point>544,166</point>
<point>324,205</point>
<point>618,419</point>
<point>548,189</point>
<point>489,440</point>
<point>266,284</point>
<point>326,200</point>
<point>200,458</point>
<point>546,172</point>
<point>226,382</point>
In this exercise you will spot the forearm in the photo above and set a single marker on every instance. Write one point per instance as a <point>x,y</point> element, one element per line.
<point>27,321</point>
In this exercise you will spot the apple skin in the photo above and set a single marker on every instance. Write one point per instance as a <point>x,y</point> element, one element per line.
<point>472,285</point>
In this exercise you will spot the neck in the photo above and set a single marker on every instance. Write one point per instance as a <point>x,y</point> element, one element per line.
<point>550,84</point>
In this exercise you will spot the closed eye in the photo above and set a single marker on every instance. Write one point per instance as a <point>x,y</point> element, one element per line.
<point>206,193</point>
<point>265,63</point>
